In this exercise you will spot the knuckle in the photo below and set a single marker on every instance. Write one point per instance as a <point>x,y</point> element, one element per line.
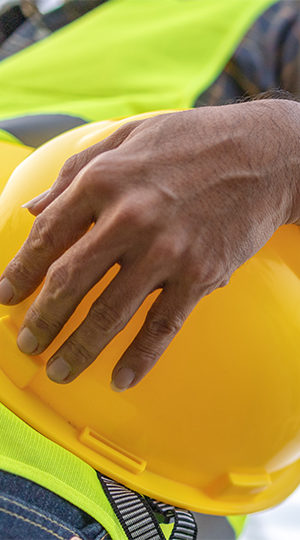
<point>162,326</point>
<point>105,317</point>
<point>122,132</point>
<point>20,271</point>
<point>70,167</point>
<point>96,179</point>
<point>146,353</point>
<point>132,216</point>
<point>59,280</point>
<point>224,282</point>
<point>200,268</point>
<point>207,273</point>
<point>42,321</point>
<point>128,127</point>
<point>104,183</point>
<point>196,274</point>
<point>168,249</point>
<point>80,351</point>
<point>41,236</point>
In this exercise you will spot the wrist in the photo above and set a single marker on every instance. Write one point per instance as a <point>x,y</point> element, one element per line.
<point>265,135</point>
<point>291,157</point>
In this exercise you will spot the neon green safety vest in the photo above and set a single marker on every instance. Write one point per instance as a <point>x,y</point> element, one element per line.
<point>123,58</point>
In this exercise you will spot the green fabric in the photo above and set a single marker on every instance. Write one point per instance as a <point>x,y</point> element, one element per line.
<point>237,523</point>
<point>127,57</point>
<point>8,137</point>
<point>124,58</point>
<point>167,529</point>
<point>24,451</point>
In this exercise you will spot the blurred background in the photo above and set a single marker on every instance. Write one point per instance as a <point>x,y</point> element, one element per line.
<point>281,523</point>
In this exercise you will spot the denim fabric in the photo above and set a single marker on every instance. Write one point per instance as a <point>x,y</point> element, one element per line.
<point>29,511</point>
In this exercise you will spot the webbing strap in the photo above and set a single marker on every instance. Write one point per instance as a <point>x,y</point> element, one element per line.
<point>136,514</point>
<point>185,526</point>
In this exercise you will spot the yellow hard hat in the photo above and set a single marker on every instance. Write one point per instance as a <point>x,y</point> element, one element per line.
<point>215,426</point>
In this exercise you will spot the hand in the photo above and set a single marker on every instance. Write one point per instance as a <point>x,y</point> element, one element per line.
<point>179,201</point>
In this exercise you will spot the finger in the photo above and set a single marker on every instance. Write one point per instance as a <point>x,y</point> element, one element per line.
<point>107,317</point>
<point>67,282</point>
<point>163,321</point>
<point>75,164</point>
<point>60,226</point>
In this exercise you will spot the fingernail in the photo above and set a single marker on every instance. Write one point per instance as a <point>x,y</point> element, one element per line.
<point>58,370</point>
<point>37,199</point>
<point>26,341</point>
<point>6,291</point>
<point>123,379</point>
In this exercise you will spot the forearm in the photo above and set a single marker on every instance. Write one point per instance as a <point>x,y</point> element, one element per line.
<point>282,116</point>
<point>291,121</point>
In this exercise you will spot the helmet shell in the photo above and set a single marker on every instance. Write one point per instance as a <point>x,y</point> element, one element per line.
<point>215,426</point>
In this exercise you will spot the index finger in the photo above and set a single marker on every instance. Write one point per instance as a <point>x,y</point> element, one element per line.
<point>56,229</point>
<point>76,163</point>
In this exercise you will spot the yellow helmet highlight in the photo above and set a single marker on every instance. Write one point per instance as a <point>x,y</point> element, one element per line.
<point>215,426</point>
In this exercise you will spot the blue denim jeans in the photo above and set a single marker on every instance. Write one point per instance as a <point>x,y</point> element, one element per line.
<point>29,511</point>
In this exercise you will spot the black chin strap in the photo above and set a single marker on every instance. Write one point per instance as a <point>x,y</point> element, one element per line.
<point>137,514</point>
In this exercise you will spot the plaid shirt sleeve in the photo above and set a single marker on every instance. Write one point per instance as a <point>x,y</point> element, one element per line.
<point>267,58</point>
